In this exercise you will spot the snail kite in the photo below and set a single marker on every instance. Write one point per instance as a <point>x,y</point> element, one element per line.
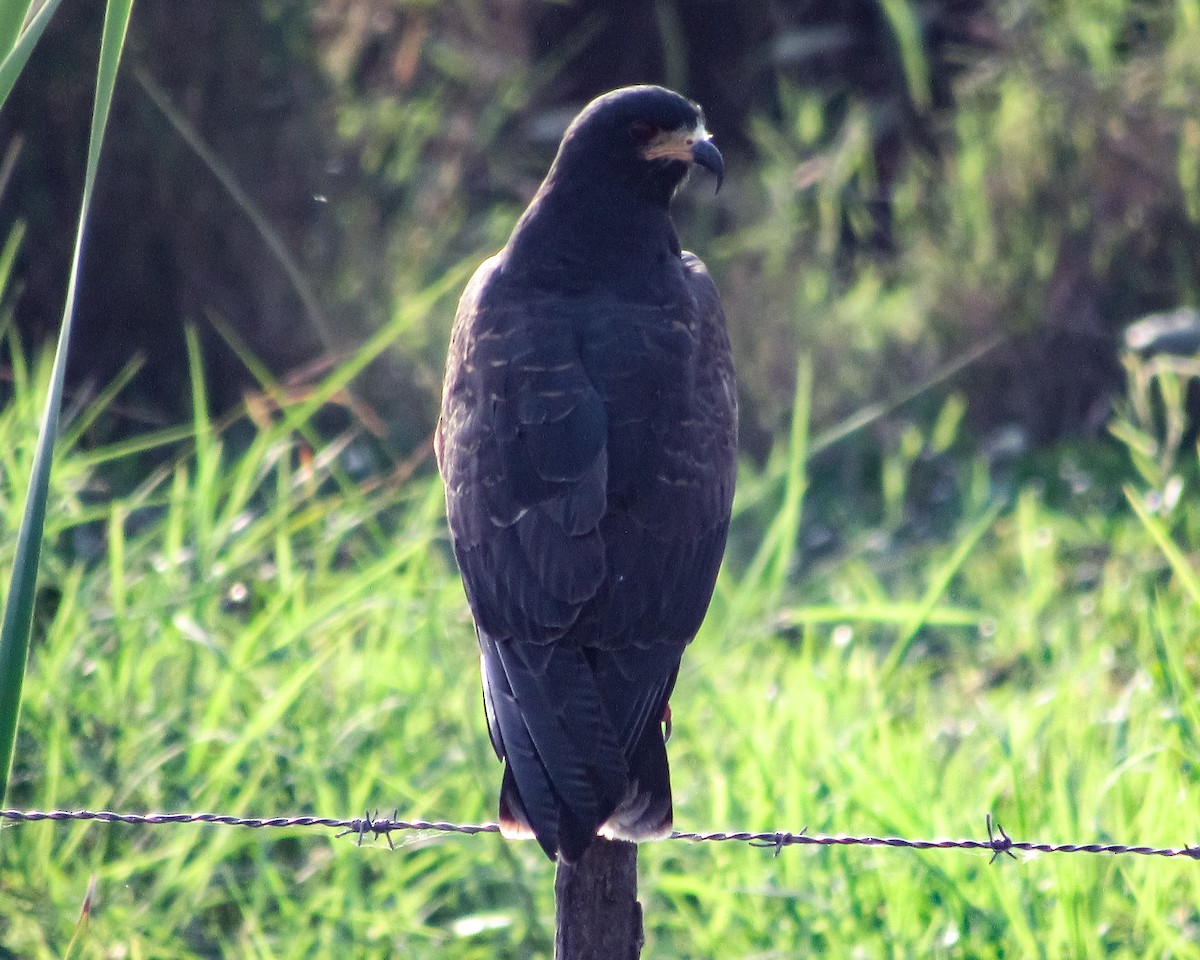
<point>588,444</point>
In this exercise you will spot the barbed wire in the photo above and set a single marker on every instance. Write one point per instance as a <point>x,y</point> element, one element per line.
<point>998,842</point>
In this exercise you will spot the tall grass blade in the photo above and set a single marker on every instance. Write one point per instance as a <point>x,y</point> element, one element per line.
<point>79,935</point>
<point>228,179</point>
<point>12,19</point>
<point>767,572</point>
<point>16,55</point>
<point>8,254</point>
<point>874,412</point>
<point>906,27</point>
<point>796,482</point>
<point>18,609</point>
<point>937,587</point>
<point>1175,557</point>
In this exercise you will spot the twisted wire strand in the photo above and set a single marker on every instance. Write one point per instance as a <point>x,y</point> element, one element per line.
<point>998,842</point>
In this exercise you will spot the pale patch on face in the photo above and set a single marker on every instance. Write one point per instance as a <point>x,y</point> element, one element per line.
<point>675,144</point>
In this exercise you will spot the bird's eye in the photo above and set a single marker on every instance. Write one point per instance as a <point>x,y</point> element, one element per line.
<point>642,130</point>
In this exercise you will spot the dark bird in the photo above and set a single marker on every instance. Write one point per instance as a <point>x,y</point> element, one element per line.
<point>588,445</point>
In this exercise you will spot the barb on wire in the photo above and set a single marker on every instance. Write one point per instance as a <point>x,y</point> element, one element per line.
<point>998,842</point>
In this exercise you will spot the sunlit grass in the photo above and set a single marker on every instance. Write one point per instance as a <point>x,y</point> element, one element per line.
<point>229,637</point>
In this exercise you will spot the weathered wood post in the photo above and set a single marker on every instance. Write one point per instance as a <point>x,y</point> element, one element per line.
<point>596,909</point>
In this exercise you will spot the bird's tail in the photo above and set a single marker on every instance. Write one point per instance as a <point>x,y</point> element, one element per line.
<point>644,813</point>
<point>561,833</point>
<point>514,821</point>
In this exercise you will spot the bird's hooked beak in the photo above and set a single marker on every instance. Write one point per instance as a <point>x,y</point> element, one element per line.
<point>690,146</point>
<point>705,153</point>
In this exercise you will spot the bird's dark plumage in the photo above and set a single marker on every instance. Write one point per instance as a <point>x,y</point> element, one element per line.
<point>588,445</point>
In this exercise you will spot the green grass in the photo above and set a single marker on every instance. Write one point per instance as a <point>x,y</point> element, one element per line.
<point>241,632</point>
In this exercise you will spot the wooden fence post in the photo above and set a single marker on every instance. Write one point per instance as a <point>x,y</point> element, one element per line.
<point>596,909</point>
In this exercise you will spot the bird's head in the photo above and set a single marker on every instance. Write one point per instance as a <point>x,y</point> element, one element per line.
<point>644,137</point>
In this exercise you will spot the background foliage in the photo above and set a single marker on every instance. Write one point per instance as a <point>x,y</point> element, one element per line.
<point>910,181</point>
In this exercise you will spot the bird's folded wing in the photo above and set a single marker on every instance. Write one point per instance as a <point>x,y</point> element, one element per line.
<point>523,453</point>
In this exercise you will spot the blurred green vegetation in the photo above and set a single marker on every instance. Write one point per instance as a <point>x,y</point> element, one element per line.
<point>929,612</point>
<point>242,632</point>
<point>910,182</point>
